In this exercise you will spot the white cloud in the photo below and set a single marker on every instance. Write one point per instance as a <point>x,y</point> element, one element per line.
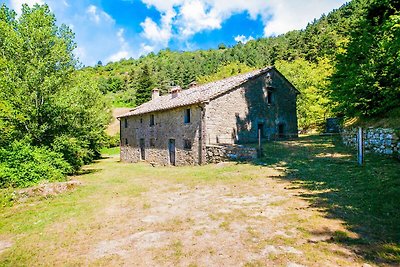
<point>118,56</point>
<point>196,16</point>
<point>157,36</point>
<point>182,19</point>
<point>145,49</point>
<point>124,50</point>
<point>243,39</point>
<point>17,4</point>
<point>97,15</point>
<point>164,5</point>
<point>293,14</point>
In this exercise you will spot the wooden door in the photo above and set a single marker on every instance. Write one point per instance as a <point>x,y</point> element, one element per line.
<point>142,149</point>
<point>171,149</point>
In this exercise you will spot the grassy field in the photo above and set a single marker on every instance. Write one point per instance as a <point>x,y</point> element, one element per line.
<point>366,198</point>
<point>306,202</point>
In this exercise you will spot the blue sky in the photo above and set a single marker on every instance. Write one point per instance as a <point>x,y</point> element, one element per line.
<point>109,30</point>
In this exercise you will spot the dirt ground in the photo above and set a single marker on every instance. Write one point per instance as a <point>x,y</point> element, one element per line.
<point>259,222</point>
<point>226,214</point>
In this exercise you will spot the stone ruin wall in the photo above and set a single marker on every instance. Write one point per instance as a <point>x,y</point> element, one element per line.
<point>220,153</point>
<point>385,141</point>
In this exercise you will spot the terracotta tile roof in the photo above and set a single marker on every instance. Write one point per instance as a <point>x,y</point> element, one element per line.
<point>195,94</point>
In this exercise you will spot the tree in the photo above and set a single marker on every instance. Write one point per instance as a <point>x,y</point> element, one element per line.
<point>225,71</point>
<point>52,118</point>
<point>144,86</point>
<point>38,62</point>
<point>221,46</point>
<point>366,79</point>
<point>312,80</point>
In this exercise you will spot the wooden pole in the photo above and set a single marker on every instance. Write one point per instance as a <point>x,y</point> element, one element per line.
<point>360,147</point>
<point>259,143</point>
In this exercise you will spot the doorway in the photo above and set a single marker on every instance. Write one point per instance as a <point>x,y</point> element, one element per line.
<point>171,149</point>
<point>281,130</point>
<point>142,149</point>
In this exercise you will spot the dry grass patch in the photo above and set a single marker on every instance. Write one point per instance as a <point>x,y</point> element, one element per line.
<point>227,214</point>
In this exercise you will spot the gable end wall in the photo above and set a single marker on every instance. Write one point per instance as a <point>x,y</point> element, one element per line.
<point>234,116</point>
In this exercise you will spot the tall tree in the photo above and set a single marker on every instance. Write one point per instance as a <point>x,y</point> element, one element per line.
<point>366,79</point>
<point>51,118</point>
<point>312,80</point>
<point>144,86</point>
<point>38,62</point>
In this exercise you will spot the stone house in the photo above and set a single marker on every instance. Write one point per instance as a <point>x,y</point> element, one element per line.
<point>180,127</point>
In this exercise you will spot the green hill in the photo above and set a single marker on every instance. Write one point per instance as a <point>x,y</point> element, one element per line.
<point>343,63</point>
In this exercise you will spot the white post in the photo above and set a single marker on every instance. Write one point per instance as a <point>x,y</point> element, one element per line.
<point>360,147</point>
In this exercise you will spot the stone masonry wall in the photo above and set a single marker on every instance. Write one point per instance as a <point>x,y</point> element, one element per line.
<point>167,125</point>
<point>379,140</point>
<point>219,153</point>
<point>234,117</point>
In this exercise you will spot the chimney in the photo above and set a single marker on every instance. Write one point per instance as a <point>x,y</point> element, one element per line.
<point>155,93</point>
<point>192,84</point>
<point>175,91</point>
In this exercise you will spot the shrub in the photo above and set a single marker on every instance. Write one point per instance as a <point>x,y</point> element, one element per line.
<point>113,141</point>
<point>23,165</point>
<point>73,151</point>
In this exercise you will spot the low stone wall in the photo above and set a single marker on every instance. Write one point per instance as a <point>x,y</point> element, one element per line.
<point>219,153</point>
<point>379,140</point>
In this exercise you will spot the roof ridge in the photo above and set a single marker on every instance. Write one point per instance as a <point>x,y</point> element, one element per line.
<point>196,93</point>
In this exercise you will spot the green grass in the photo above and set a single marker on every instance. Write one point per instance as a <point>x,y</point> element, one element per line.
<point>110,151</point>
<point>366,198</point>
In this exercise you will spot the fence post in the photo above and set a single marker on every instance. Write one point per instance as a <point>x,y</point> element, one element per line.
<point>259,144</point>
<point>360,146</point>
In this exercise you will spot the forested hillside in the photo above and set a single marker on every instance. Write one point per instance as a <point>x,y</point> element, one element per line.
<point>343,63</point>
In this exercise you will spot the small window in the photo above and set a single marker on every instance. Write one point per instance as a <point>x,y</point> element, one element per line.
<point>269,97</point>
<point>126,122</point>
<point>187,116</point>
<point>126,141</point>
<point>187,144</point>
<point>152,120</point>
<point>141,120</point>
<point>152,142</point>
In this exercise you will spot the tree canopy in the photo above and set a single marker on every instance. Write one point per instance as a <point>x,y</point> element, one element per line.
<point>44,101</point>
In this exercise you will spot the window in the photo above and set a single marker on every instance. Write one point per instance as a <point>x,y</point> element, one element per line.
<point>152,142</point>
<point>269,97</point>
<point>187,116</point>
<point>187,144</point>
<point>141,120</point>
<point>126,122</point>
<point>152,120</point>
<point>126,141</point>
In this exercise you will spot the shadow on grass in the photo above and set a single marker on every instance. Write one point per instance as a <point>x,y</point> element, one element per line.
<point>86,171</point>
<point>366,198</point>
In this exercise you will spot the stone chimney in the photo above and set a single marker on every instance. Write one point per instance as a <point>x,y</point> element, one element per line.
<point>155,93</point>
<point>175,91</point>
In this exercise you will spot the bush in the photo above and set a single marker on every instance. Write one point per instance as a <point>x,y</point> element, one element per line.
<point>23,165</point>
<point>113,141</point>
<point>73,151</point>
